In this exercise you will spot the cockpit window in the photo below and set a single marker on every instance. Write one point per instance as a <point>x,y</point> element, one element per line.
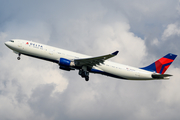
<point>11,40</point>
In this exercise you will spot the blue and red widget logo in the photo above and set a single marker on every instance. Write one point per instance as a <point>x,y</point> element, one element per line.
<point>161,65</point>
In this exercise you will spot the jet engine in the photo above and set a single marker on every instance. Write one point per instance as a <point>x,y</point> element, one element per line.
<point>66,64</point>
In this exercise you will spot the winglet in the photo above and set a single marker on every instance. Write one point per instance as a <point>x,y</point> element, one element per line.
<point>115,53</point>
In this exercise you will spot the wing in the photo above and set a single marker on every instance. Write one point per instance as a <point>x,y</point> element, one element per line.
<point>94,60</point>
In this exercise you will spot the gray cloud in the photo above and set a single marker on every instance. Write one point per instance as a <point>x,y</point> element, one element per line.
<point>36,89</point>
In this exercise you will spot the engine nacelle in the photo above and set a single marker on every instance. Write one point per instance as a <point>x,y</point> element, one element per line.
<point>66,62</point>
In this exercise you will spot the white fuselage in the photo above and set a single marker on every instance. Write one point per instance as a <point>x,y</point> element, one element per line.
<point>54,54</point>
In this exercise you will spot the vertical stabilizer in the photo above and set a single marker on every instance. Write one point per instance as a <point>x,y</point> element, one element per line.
<point>161,65</point>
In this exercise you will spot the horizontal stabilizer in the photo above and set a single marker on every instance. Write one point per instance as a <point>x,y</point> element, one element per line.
<point>160,76</point>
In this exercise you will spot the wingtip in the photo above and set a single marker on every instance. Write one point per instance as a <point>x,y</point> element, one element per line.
<point>115,53</point>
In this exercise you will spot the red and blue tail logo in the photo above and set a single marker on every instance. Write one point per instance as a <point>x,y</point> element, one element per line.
<point>161,65</point>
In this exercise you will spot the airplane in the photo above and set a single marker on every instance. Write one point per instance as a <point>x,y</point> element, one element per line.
<point>68,60</point>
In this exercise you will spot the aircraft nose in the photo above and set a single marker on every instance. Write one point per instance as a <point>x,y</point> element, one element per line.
<point>6,43</point>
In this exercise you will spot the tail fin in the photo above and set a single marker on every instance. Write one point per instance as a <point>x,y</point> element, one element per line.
<point>161,65</point>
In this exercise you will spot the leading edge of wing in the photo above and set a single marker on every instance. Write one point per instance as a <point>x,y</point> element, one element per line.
<point>94,60</point>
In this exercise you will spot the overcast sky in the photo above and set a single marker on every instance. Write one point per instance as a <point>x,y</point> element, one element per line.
<point>142,31</point>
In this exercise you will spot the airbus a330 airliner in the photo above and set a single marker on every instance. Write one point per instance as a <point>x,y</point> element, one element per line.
<point>68,60</point>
